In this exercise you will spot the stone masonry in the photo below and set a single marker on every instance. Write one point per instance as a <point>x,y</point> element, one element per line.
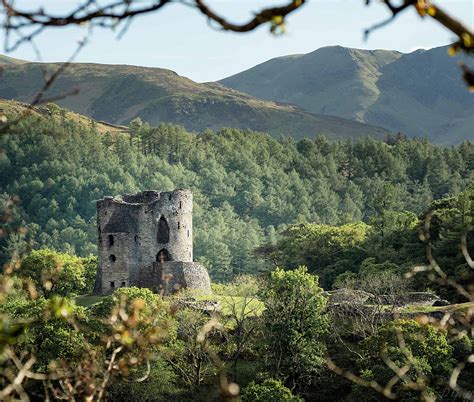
<point>146,240</point>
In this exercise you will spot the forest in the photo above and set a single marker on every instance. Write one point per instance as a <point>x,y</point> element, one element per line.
<point>276,221</point>
<point>248,187</point>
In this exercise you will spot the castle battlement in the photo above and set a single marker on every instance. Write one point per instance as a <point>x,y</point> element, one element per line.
<point>138,231</point>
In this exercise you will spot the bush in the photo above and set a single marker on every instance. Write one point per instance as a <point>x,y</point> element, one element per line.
<point>295,324</point>
<point>128,295</point>
<point>56,273</point>
<point>158,386</point>
<point>431,356</point>
<point>269,390</point>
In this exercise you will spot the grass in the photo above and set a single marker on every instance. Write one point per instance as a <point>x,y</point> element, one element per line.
<point>253,306</point>
<point>88,300</point>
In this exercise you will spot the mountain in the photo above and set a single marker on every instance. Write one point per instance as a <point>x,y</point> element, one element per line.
<point>418,94</point>
<point>119,93</point>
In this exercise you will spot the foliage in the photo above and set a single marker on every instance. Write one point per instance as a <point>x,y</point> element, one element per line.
<point>424,349</point>
<point>189,353</point>
<point>160,385</point>
<point>241,309</point>
<point>246,185</point>
<point>59,273</point>
<point>250,190</point>
<point>451,237</point>
<point>127,297</point>
<point>59,344</point>
<point>294,329</point>
<point>325,250</point>
<point>268,390</point>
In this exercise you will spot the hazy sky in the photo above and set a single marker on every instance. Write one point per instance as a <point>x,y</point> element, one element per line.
<point>179,38</point>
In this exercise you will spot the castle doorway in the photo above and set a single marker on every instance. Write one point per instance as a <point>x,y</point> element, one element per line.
<point>163,256</point>
<point>163,235</point>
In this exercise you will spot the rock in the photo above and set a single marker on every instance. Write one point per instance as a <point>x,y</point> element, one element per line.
<point>345,295</point>
<point>420,298</point>
<point>206,306</point>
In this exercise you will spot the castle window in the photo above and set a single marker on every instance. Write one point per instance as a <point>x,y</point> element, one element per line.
<point>188,232</point>
<point>112,284</point>
<point>169,197</point>
<point>111,240</point>
<point>112,258</point>
<point>163,255</point>
<point>179,225</point>
<point>124,284</point>
<point>136,238</point>
<point>163,235</point>
<point>180,205</point>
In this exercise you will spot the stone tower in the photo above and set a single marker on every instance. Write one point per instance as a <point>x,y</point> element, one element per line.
<point>146,240</point>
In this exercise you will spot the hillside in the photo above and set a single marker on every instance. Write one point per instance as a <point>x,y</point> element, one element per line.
<point>10,60</point>
<point>13,110</point>
<point>119,93</point>
<point>245,184</point>
<point>419,94</point>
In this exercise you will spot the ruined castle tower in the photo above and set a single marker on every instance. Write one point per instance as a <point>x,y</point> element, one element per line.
<point>146,240</point>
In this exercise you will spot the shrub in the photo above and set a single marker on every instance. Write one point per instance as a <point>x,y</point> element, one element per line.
<point>56,273</point>
<point>269,390</point>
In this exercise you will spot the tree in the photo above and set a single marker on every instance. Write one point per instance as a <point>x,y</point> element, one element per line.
<point>127,297</point>
<point>294,329</point>
<point>268,390</point>
<point>55,273</point>
<point>419,354</point>
<point>189,354</point>
<point>387,290</point>
<point>326,250</point>
<point>160,384</point>
<point>239,299</point>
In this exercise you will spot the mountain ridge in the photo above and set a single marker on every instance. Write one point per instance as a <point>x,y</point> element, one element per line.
<point>119,93</point>
<point>385,88</point>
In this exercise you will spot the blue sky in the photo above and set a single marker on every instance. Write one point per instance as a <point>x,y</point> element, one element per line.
<point>179,38</point>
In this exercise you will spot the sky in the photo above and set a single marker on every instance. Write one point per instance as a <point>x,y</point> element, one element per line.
<point>180,39</point>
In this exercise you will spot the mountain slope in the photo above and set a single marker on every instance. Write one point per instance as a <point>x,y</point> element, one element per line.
<point>13,110</point>
<point>119,93</point>
<point>10,60</point>
<point>419,94</point>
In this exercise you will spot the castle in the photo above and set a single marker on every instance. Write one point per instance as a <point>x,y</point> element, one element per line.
<point>146,240</point>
